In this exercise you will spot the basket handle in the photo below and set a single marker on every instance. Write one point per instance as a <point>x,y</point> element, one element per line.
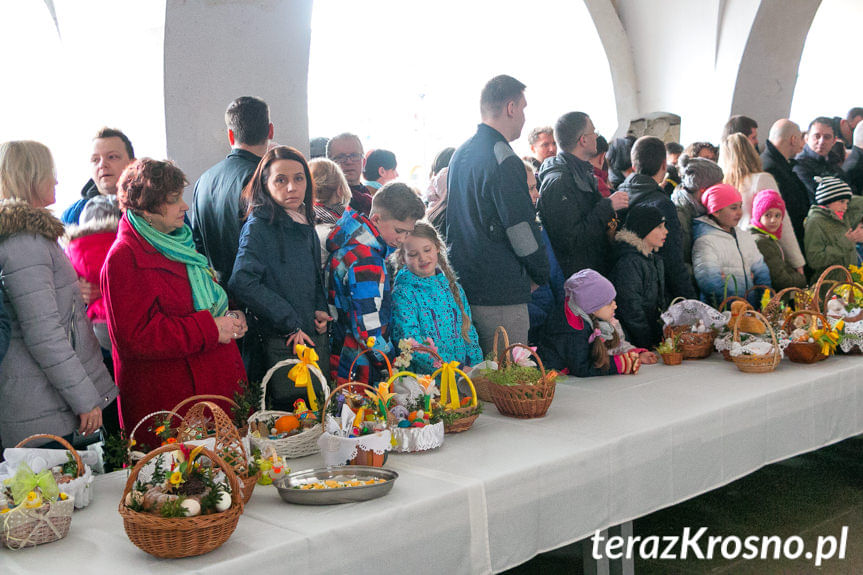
<point>149,415</point>
<point>62,442</point>
<point>236,493</point>
<point>205,397</point>
<point>851,287</point>
<point>227,438</point>
<point>815,314</point>
<point>504,361</point>
<point>736,335</point>
<point>733,298</point>
<point>499,332</point>
<point>285,363</point>
<point>822,278</point>
<point>372,351</point>
<point>753,288</point>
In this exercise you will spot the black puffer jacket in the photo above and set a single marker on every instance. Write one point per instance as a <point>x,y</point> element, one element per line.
<point>853,168</point>
<point>639,279</point>
<point>277,273</point>
<point>792,190</point>
<point>644,191</point>
<point>809,164</point>
<point>574,214</point>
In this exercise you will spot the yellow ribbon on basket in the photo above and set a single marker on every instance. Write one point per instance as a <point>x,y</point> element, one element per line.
<point>448,389</point>
<point>301,375</point>
<point>827,337</point>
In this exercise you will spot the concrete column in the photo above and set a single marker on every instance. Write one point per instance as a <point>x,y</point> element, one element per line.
<point>218,51</point>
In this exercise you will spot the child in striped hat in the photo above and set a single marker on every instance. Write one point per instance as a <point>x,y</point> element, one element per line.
<point>828,238</point>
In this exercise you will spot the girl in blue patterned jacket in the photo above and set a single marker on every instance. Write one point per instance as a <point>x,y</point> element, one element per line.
<point>428,302</point>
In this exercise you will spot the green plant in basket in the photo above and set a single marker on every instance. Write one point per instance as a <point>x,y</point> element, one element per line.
<point>518,375</point>
<point>669,345</point>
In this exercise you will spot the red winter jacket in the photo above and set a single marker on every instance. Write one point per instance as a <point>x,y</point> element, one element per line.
<point>87,247</point>
<point>164,351</point>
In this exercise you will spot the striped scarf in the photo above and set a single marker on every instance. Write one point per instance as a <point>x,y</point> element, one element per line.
<point>178,246</point>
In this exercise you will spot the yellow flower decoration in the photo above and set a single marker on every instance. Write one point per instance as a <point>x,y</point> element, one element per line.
<point>63,496</point>
<point>33,500</point>
<point>177,478</point>
<point>160,429</point>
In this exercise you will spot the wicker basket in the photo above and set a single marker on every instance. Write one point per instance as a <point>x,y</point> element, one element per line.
<point>692,345</point>
<point>673,358</point>
<point>466,416</point>
<point>804,351</point>
<point>748,324</point>
<point>181,536</point>
<point>300,445</point>
<point>138,455</point>
<point>773,310</point>
<point>480,382</point>
<point>206,419</point>
<point>79,489</point>
<point>524,401</point>
<point>853,287</point>
<point>363,456</point>
<point>208,397</point>
<point>22,527</point>
<point>823,282</point>
<point>757,363</point>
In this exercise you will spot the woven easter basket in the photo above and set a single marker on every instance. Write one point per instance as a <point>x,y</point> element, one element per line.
<point>181,536</point>
<point>823,284</point>
<point>50,522</point>
<point>363,456</point>
<point>300,445</point>
<point>773,310</point>
<point>524,401</point>
<point>804,351</point>
<point>692,345</point>
<point>205,419</point>
<point>415,439</point>
<point>135,456</point>
<point>79,489</point>
<point>853,289</point>
<point>757,363</point>
<point>465,416</point>
<point>480,382</point>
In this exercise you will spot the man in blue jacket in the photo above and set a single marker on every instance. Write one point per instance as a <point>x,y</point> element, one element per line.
<point>493,237</point>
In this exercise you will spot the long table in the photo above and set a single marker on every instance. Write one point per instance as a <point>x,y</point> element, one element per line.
<point>611,449</point>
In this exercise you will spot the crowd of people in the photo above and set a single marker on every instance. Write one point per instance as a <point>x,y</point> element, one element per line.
<point>134,300</point>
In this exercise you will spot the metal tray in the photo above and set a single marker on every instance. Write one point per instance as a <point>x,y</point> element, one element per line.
<point>288,492</point>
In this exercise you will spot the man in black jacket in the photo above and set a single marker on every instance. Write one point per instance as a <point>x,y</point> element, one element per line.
<point>853,165</point>
<point>643,185</point>
<point>217,211</point>
<point>494,240</point>
<point>574,214</point>
<point>785,141</point>
<point>812,161</point>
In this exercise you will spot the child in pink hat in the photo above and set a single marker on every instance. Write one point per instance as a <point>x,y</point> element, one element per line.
<point>768,212</point>
<point>725,261</point>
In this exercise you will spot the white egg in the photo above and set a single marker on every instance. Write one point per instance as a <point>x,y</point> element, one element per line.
<point>224,502</point>
<point>192,507</point>
<point>133,496</point>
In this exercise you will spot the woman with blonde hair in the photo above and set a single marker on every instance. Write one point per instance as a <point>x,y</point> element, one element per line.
<point>429,303</point>
<point>332,196</point>
<point>52,379</point>
<point>742,169</point>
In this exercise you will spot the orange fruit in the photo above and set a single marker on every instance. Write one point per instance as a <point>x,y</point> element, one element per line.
<point>287,423</point>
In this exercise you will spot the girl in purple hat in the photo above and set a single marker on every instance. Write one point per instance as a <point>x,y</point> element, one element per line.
<point>584,338</point>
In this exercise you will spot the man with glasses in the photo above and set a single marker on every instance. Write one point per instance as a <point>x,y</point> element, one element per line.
<point>574,214</point>
<point>347,151</point>
<point>812,161</point>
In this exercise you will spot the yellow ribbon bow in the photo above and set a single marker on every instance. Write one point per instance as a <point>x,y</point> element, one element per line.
<point>300,374</point>
<point>448,387</point>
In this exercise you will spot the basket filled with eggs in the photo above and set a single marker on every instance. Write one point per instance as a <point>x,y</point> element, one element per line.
<point>181,501</point>
<point>291,434</point>
<point>810,336</point>
<point>418,427</point>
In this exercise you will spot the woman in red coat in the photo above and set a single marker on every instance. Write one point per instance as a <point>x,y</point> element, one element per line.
<point>172,334</point>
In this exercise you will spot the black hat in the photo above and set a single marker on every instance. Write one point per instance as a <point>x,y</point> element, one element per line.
<point>641,220</point>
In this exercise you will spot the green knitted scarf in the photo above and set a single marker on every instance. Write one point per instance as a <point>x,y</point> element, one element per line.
<point>179,246</point>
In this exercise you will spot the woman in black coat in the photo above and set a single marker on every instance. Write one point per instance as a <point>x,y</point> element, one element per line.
<point>277,273</point>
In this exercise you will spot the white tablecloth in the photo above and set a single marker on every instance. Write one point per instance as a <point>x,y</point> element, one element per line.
<point>610,449</point>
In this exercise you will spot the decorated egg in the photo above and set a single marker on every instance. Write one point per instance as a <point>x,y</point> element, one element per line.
<point>418,424</point>
<point>404,423</point>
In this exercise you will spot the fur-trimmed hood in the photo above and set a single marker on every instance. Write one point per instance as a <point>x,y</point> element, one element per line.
<point>17,216</point>
<point>99,226</point>
<point>625,236</point>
